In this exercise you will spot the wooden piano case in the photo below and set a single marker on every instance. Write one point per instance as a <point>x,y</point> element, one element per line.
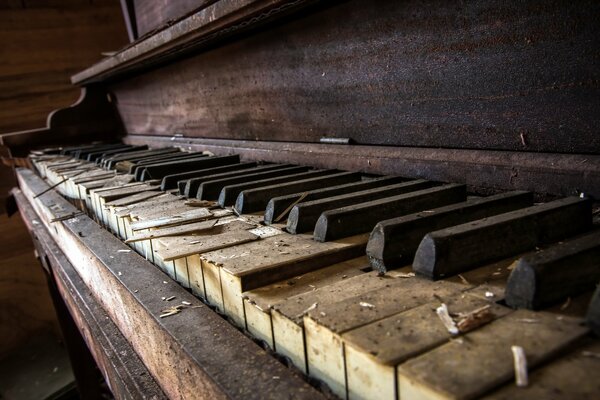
<point>495,95</point>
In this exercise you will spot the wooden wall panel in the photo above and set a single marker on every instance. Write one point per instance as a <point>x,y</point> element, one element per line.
<point>41,46</point>
<point>490,74</point>
<point>42,42</point>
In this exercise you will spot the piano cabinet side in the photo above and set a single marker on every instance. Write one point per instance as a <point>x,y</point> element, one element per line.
<point>87,330</point>
<point>93,117</point>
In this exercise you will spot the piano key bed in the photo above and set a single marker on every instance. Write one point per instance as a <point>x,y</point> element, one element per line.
<point>379,287</point>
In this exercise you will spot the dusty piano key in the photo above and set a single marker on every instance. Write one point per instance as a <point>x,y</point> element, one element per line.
<point>84,152</point>
<point>278,207</point>
<point>176,214</point>
<point>254,200</point>
<point>94,199</point>
<point>98,157</point>
<point>453,250</point>
<point>175,217</point>
<point>572,376</point>
<point>111,162</point>
<point>230,193</point>
<point>173,252</point>
<point>178,230</point>
<point>360,218</point>
<point>304,216</point>
<point>252,265</point>
<point>136,168</point>
<point>94,155</point>
<point>159,171</point>
<point>287,316</point>
<point>104,196</point>
<point>192,186</point>
<point>127,213</point>
<point>482,360</point>
<point>131,165</point>
<point>324,325</point>
<point>555,273</point>
<point>171,181</point>
<point>372,351</point>
<point>141,170</point>
<point>258,302</point>
<point>148,215</point>
<point>112,206</point>
<point>85,189</point>
<point>394,241</point>
<point>113,158</point>
<point>210,189</point>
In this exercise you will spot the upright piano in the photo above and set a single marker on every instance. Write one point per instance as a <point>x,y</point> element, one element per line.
<point>310,199</point>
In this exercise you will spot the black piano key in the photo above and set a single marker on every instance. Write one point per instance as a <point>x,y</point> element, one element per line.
<point>210,189</point>
<point>91,155</point>
<point>593,312</point>
<point>126,150</point>
<point>253,200</point>
<point>552,275</point>
<point>170,181</point>
<point>460,248</point>
<point>361,218</point>
<point>131,154</point>
<point>159,171</point>
<point>393,242</point>
<point>229,194</point>
<point>83,152</point>
<point>278,207</point>
<point>160,158</point>
<point>137,156</point>
<point>304,216</point>
<point>192,186</point>
<point>137,167</point>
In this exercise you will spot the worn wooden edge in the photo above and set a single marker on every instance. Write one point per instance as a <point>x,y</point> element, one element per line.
<point>122,369</point>
<point>200,29</point>
<point>483,171</point>
<point>195,351</point>
<point>92,117</point>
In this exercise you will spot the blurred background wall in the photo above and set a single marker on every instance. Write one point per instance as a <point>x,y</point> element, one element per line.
<point>42,43</point>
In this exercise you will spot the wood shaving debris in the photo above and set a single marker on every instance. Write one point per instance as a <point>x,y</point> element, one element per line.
<point>463,279</point>
<point>163,298</point>
<point>275,377</point>
<point>366,305</point>
<point>442,312</point>
<point>405,275</point>
<point>186,303</point>
<point>309,309</point>
<point>167,312</point>
<point>169,298</point>
<point>590,354</point>
<point>120,273</point>
<point>123,251</point>
<point>474,319</point>
<point>529,320</point>
<point>323,314</point>
<point>165,282</point>
<point>489,294</point>
<point>566,304</point>
<point>520,361</point>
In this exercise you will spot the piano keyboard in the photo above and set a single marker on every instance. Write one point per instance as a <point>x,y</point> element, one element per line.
<point>379,287</point>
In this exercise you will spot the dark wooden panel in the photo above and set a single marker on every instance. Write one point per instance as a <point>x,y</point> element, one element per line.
<point>484,75</point>
<point>153,14</point>
<point>483,171</point>
<point>41,45</point>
